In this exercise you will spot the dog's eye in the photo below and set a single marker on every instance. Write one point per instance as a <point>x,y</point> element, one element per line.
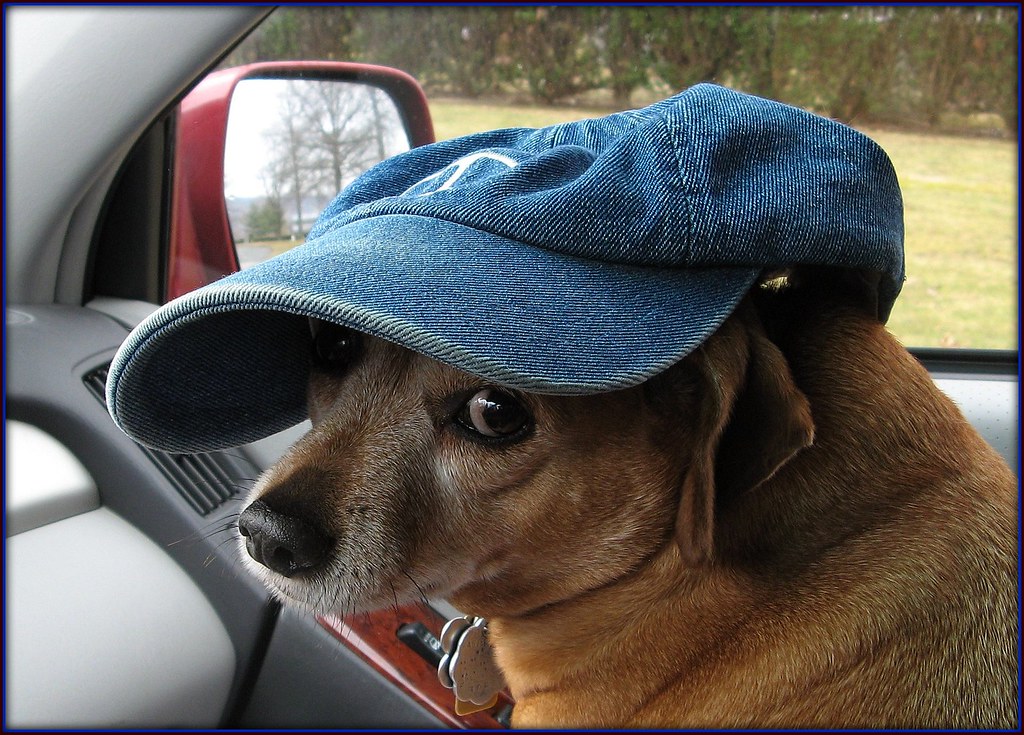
<point>334,347</point>
<point>493,414</point>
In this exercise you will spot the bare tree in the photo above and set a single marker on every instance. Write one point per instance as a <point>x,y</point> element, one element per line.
<point>340,122</point>
<point>328,133</point>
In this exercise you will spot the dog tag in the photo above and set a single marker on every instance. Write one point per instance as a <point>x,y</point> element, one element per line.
<point>450,634</point>
<point>468,666</point>
<point>451,631</point>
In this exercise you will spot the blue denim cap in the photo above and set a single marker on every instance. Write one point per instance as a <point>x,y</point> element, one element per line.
<point>573,259</point>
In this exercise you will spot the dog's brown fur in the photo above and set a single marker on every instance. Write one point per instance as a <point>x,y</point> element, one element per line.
<point>790,527</point>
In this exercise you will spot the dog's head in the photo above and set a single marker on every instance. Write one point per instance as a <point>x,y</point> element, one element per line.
<point>418,479</point>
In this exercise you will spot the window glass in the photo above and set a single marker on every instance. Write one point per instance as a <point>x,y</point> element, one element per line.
<point>936,87</point>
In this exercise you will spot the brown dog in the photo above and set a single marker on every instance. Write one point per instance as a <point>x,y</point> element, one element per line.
<point>790,527</point>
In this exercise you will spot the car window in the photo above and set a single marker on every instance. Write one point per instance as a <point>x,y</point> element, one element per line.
<point>936,87</point>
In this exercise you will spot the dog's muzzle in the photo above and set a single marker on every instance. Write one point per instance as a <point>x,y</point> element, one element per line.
<point>282,543</point>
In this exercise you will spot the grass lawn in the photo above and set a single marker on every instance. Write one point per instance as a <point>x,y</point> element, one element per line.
<point>250,253</point>
<point>960,202</point>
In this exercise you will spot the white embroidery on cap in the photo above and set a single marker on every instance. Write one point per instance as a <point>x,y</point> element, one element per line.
<point>460,167</point>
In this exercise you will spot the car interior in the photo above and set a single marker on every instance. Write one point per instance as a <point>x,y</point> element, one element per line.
<point>125,602</point>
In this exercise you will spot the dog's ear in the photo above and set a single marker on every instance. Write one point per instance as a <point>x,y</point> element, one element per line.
<point>770,420</point>
<point>753,421</point>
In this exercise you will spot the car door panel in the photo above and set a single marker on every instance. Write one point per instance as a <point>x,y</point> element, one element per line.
<point>104,629</point>
<point>990,404</point>
<point>45,483</point>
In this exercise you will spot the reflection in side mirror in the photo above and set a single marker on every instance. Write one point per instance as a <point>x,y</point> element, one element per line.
<point>291,146</point>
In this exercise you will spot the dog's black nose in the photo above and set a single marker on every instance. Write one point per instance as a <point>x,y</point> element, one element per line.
<point>280,542</point>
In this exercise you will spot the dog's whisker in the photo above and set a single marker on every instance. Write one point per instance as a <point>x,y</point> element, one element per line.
<point>231,540</point>
<point>394,596</point>
<point>242,458</point>
<point>229,526</point>
<point>226,530</point>
<point>419,590</point>
<point>206,532</point>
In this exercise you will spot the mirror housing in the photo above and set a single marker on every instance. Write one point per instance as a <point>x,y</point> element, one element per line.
<point>201,246</point>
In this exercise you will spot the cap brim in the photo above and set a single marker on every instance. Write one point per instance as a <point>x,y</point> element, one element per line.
<point>228,364</point>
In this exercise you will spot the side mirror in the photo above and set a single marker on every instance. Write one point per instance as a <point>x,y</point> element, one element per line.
<point>261,149</point>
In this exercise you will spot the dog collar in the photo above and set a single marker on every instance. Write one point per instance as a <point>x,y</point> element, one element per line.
<point>468,667</point>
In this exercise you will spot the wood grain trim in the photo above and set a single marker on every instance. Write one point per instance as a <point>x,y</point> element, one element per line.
<point>373,637</point>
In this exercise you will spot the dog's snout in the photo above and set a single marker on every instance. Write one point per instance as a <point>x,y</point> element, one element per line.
<point>283,543</point>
